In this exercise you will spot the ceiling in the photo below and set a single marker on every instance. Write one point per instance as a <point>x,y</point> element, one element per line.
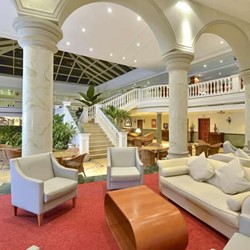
<point>118,37</point>
<point>68,67</point>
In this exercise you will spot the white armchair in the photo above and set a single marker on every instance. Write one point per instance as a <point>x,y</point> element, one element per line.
<point>39,183</point>
<point>124,168</point>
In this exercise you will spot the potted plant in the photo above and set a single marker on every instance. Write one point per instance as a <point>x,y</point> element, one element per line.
<point>89,98</point>
<point>62,132</point>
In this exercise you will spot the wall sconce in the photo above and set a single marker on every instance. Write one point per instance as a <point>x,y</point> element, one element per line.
<point>229,119</point>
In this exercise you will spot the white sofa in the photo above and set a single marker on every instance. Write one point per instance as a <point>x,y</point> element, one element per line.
<point>205,198</point>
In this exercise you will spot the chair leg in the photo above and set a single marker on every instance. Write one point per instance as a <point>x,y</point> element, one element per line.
<point>40,219</point>
<point>74,201</point>
<point>84,172</point>
<point>15,211</point>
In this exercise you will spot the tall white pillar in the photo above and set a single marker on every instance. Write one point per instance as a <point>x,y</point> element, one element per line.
<point>178,64</point>
<point>159,126</point>
<point>245,75</point>
<point>38,38</point>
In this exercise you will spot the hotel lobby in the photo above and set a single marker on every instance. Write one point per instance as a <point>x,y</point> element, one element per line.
<point>180,65</point>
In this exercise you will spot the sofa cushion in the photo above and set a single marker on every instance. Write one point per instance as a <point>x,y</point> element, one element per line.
<point>42,168</point>
<point>123,157</point>
<point>199,168</point>
<point>240,153</point>
<point>57,187</point>
<point>231,177</point>
<point>234,202</point>
<point>204,195</point>
<point>175,170</point>
<point>125,174</point>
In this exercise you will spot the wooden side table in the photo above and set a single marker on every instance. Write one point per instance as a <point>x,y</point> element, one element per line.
<point>141,219</point>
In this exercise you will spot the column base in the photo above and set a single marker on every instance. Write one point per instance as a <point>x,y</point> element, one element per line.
<point>172,155</point>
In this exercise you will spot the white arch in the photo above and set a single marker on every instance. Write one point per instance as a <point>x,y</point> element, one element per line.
<point>149,11</point>
<point>234,36</point>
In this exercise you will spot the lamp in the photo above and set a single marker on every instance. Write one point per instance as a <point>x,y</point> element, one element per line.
<point>229,119</point>
<point>138,131</point>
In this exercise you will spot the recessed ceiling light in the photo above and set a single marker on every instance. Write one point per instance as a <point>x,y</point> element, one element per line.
<point>111,54</point>
<point>109,10</point>
<point>123,58</point>
<point>68,43</point>
<point>221,61</point>
<point>220,73</point>
<point>221,42</point>
<point>135,60</point>
<point>91,49</point>
<point>138,18</point>
<point>148,82</point>
<point>204,65</point>
<point>83,29</point>
<point>183,6</point>
<point>138,44</point>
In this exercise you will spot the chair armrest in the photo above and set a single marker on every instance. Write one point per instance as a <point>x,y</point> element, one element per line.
<point>63,172</point>
<point>26,192</point>
<point>245,208</point>
<point>245,224</point>
<point>139,164</point>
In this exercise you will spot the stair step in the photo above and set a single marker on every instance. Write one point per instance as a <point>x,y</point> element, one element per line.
<point>99,156</point>
<point>100,144</point>
<point>98,151</point>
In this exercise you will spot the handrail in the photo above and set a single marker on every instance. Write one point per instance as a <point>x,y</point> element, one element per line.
<point>107,126</point>
<point>222,86</point>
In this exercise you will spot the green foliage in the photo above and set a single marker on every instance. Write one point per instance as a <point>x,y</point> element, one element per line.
<point>62,132</point>
<point>89,98</point>
<point>11,135</point>
<point>119,115</point>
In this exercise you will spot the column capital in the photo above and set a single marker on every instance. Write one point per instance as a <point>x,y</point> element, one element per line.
<point>245,75</point>
<point>175,60</point>
<point>38,32</point>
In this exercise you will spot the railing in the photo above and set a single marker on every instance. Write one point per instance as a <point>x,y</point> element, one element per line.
<point>107,126</point>
<point>220,86</point>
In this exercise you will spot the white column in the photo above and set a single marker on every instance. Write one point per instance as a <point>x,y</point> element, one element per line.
<point>38,38</point>
<point>123,138</point>
<point>159,133</point>
<point>178,64</point>
<point>245,75</point>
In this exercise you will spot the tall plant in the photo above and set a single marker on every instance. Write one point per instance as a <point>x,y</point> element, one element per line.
<point>89,98</point>
<point>62,132</point>
<point>119,115</point>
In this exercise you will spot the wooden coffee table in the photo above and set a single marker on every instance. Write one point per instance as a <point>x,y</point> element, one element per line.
<point>141,219</point>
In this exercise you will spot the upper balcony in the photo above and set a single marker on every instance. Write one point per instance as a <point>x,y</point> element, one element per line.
<point>225,93</point>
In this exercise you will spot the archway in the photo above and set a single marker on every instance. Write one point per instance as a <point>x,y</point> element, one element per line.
<point>240,45</point>
<point>151,14</point>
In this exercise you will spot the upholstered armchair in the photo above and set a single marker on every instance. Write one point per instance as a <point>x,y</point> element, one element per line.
<point>39,183</point>
<point>124,168</point>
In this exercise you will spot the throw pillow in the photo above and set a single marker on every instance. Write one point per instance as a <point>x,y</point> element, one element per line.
<point>235,202</point>
<point>231,178</point>
<point>199,168</point>
<point>240,153</point>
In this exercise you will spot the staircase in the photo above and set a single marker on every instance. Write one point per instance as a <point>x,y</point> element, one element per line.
<point>98,141</point>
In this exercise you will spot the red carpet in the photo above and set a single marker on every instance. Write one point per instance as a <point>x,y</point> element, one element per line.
<point>84,227</point>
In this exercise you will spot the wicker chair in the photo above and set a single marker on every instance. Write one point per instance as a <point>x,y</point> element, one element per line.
<point>163,154</point>
<point>147,157</point>
<point>214,149</point>
<point>10,153</point>
<point>75,162</point>
<point>201,148</point>
<point>3,157</point>
<point>137,142</point>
